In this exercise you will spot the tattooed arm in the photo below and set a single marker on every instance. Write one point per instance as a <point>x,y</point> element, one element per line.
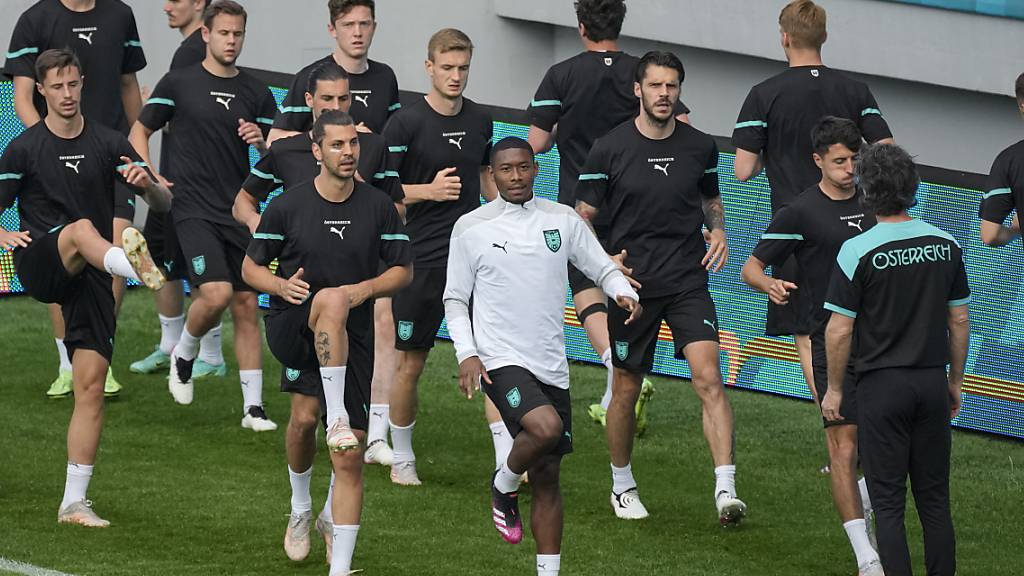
<point>714,221</point>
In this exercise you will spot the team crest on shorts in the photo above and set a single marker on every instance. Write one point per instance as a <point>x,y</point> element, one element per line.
<point>199,265</point>
<point>514,398</point>
<point>553,238</point>
<point>404,329</point>
<point>291,374</point>
<point>622,350</point>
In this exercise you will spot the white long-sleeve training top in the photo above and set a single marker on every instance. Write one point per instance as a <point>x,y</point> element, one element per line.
<point>511,260</point>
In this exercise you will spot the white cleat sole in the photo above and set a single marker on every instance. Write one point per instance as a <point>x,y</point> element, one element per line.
<point>137,251</point>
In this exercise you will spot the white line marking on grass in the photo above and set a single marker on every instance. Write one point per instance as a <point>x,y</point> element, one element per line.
<point>27,569</point>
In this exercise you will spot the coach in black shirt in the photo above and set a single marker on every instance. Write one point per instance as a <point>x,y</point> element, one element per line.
<point>899,299</point>
<point>1004,191</point>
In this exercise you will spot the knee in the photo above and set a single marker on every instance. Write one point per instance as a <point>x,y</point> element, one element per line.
<point>216,295</point>
<point>349,463</point>
<point>411,365</point>
<point>626,385</point>
<point>304,421</point>
<point>707,382</point>
<point>548,430</point>
<point>332,306</point>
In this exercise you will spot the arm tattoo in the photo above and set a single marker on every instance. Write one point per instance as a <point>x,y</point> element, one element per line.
<point>714,213</point>
<point>323,348</point>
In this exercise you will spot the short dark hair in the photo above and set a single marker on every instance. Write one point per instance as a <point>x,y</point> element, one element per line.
<point>56,58</point>
<point>330,118</point>
<point>325,72</point>
<point>1020,89</point>
<point>601,19</point>
<point>659,58</point>
<point>832,130</point>
<point>218,7</point>
<point>887,176</point>
<point>509,143</point>
<point>339,8</point>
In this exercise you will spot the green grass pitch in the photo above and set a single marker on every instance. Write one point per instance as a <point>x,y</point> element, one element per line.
<point>189,492</point>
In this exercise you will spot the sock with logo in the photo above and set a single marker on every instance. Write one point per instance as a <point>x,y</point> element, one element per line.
<point>187,345</point>
<point>507,481</point>
<point>333,378</point>
<point>209,347</point>
<point>301,500</point>
<point>725,480</point>
<point>115,262</point>
<point>622,478</point>
<point>606,359</point>
<point>548,564</point>
<point>76,484</point>
<point>857,532</point>
<point>342,549</point>
<point>62,351</point>
<point>252,387</point>
<point>502,442</point>
<point>170,332</point>
<point>378,427</point>
<point>401,442</point>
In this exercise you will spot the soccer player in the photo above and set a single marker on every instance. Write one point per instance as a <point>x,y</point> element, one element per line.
<point>217,111</point>
<point>813,227</point>
<point>187,17</point>
<point>330,236</point>
<point>103,34</point>
<point>439,146</point>
<point>658,179</point>
<point>290,162</point>
<point>62,171</point>
<point>510,258</point>
<point>899,299</point>
<point>773,132</point>
<point>578,101</point>
<point>1005,189</point>
<point>373,84</point>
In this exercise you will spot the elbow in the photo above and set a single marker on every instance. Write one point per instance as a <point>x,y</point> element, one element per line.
<point>959,320</point>
<point>989,236</point>
<point>743,173</point>
<point>747,273</point>
<point>406,278</point>
<point>237,210</point>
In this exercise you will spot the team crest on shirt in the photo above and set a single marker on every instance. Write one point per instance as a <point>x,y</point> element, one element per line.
<point>553,238</point>
<point>199,265</point>
<point>608,61</point>
<point>514,398</point>
<point>404,329</point>
<point>291,374</point>
<point>622,350</point>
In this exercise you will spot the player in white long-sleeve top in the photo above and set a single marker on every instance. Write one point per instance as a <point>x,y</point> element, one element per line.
<point>510,257</point>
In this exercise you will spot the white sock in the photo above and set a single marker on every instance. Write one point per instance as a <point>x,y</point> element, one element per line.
<point>187,345</point>
<point>334,391</point>
<point>622,478</point>
<point>401,442</point>
<point>378,427</point>
<point>606,359</point>
<point>301,500</point>
<point>170,332</point>
<point>252,387</point>
<point>725,480</point>
<point>857,532</point>
<point>507,481</point>
<point>116,264</point>
<point>865,498</point>
<point>343,548</point>
<point>502,442</point>
<point>209,347</point>
<point>62,351</point>
<point>76,484</point>
<point>548,564</point>
<point>328,512</point>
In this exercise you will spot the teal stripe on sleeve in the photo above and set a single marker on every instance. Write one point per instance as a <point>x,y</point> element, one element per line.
<point>133,44</point>
<point>867,111</point>
<point>995,192</point>
<point>398,149</point>
<point>164,101</point>
<point>960,302</point>
<point>391,174</point>
<point>404,237</point>
<point>712,170</point>
<point>379,176</point>
<point>140,164</point>
<point>394,107</point>
<point>267,121</point>
<point>295,109</point>
<point>840,310</point>
<point>751,124</point>
<point>265,236</point>
<point>593,176</point>
<point>23,51</point>
<point>11,176</point>
<point>539,103</point>
<point>265,176</point>
<point>782,236</point>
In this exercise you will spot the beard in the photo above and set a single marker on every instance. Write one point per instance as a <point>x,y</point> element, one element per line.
<point>653,118</point>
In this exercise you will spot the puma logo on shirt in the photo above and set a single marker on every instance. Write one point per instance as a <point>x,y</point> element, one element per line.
<point>223,99</point>
<point>661,164</point>
<point>73,166</point>
<point>502,246</point>
<point>663,169</point>
<point>455,142</point>
<point>85,33</point>
<point>454,138</point>
<point>340,233</point>
<point>363,99</point>
<point>855,225</point>
<point>86,37</point>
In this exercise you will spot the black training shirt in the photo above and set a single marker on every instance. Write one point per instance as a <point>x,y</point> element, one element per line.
<point>586,96</point>
<point>290,162</point>
<point>779,114</point>
<point>106,41</point>
<point>1004,189</point>
<point>335,243</point>
<point>191,51</point>
<point>211,160</point>
<point>58,181</point>
<point>813,227</point>
<point>899,281</point>
<point>374,98</point>
<point>421,143</point>
<point>653,191</point>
